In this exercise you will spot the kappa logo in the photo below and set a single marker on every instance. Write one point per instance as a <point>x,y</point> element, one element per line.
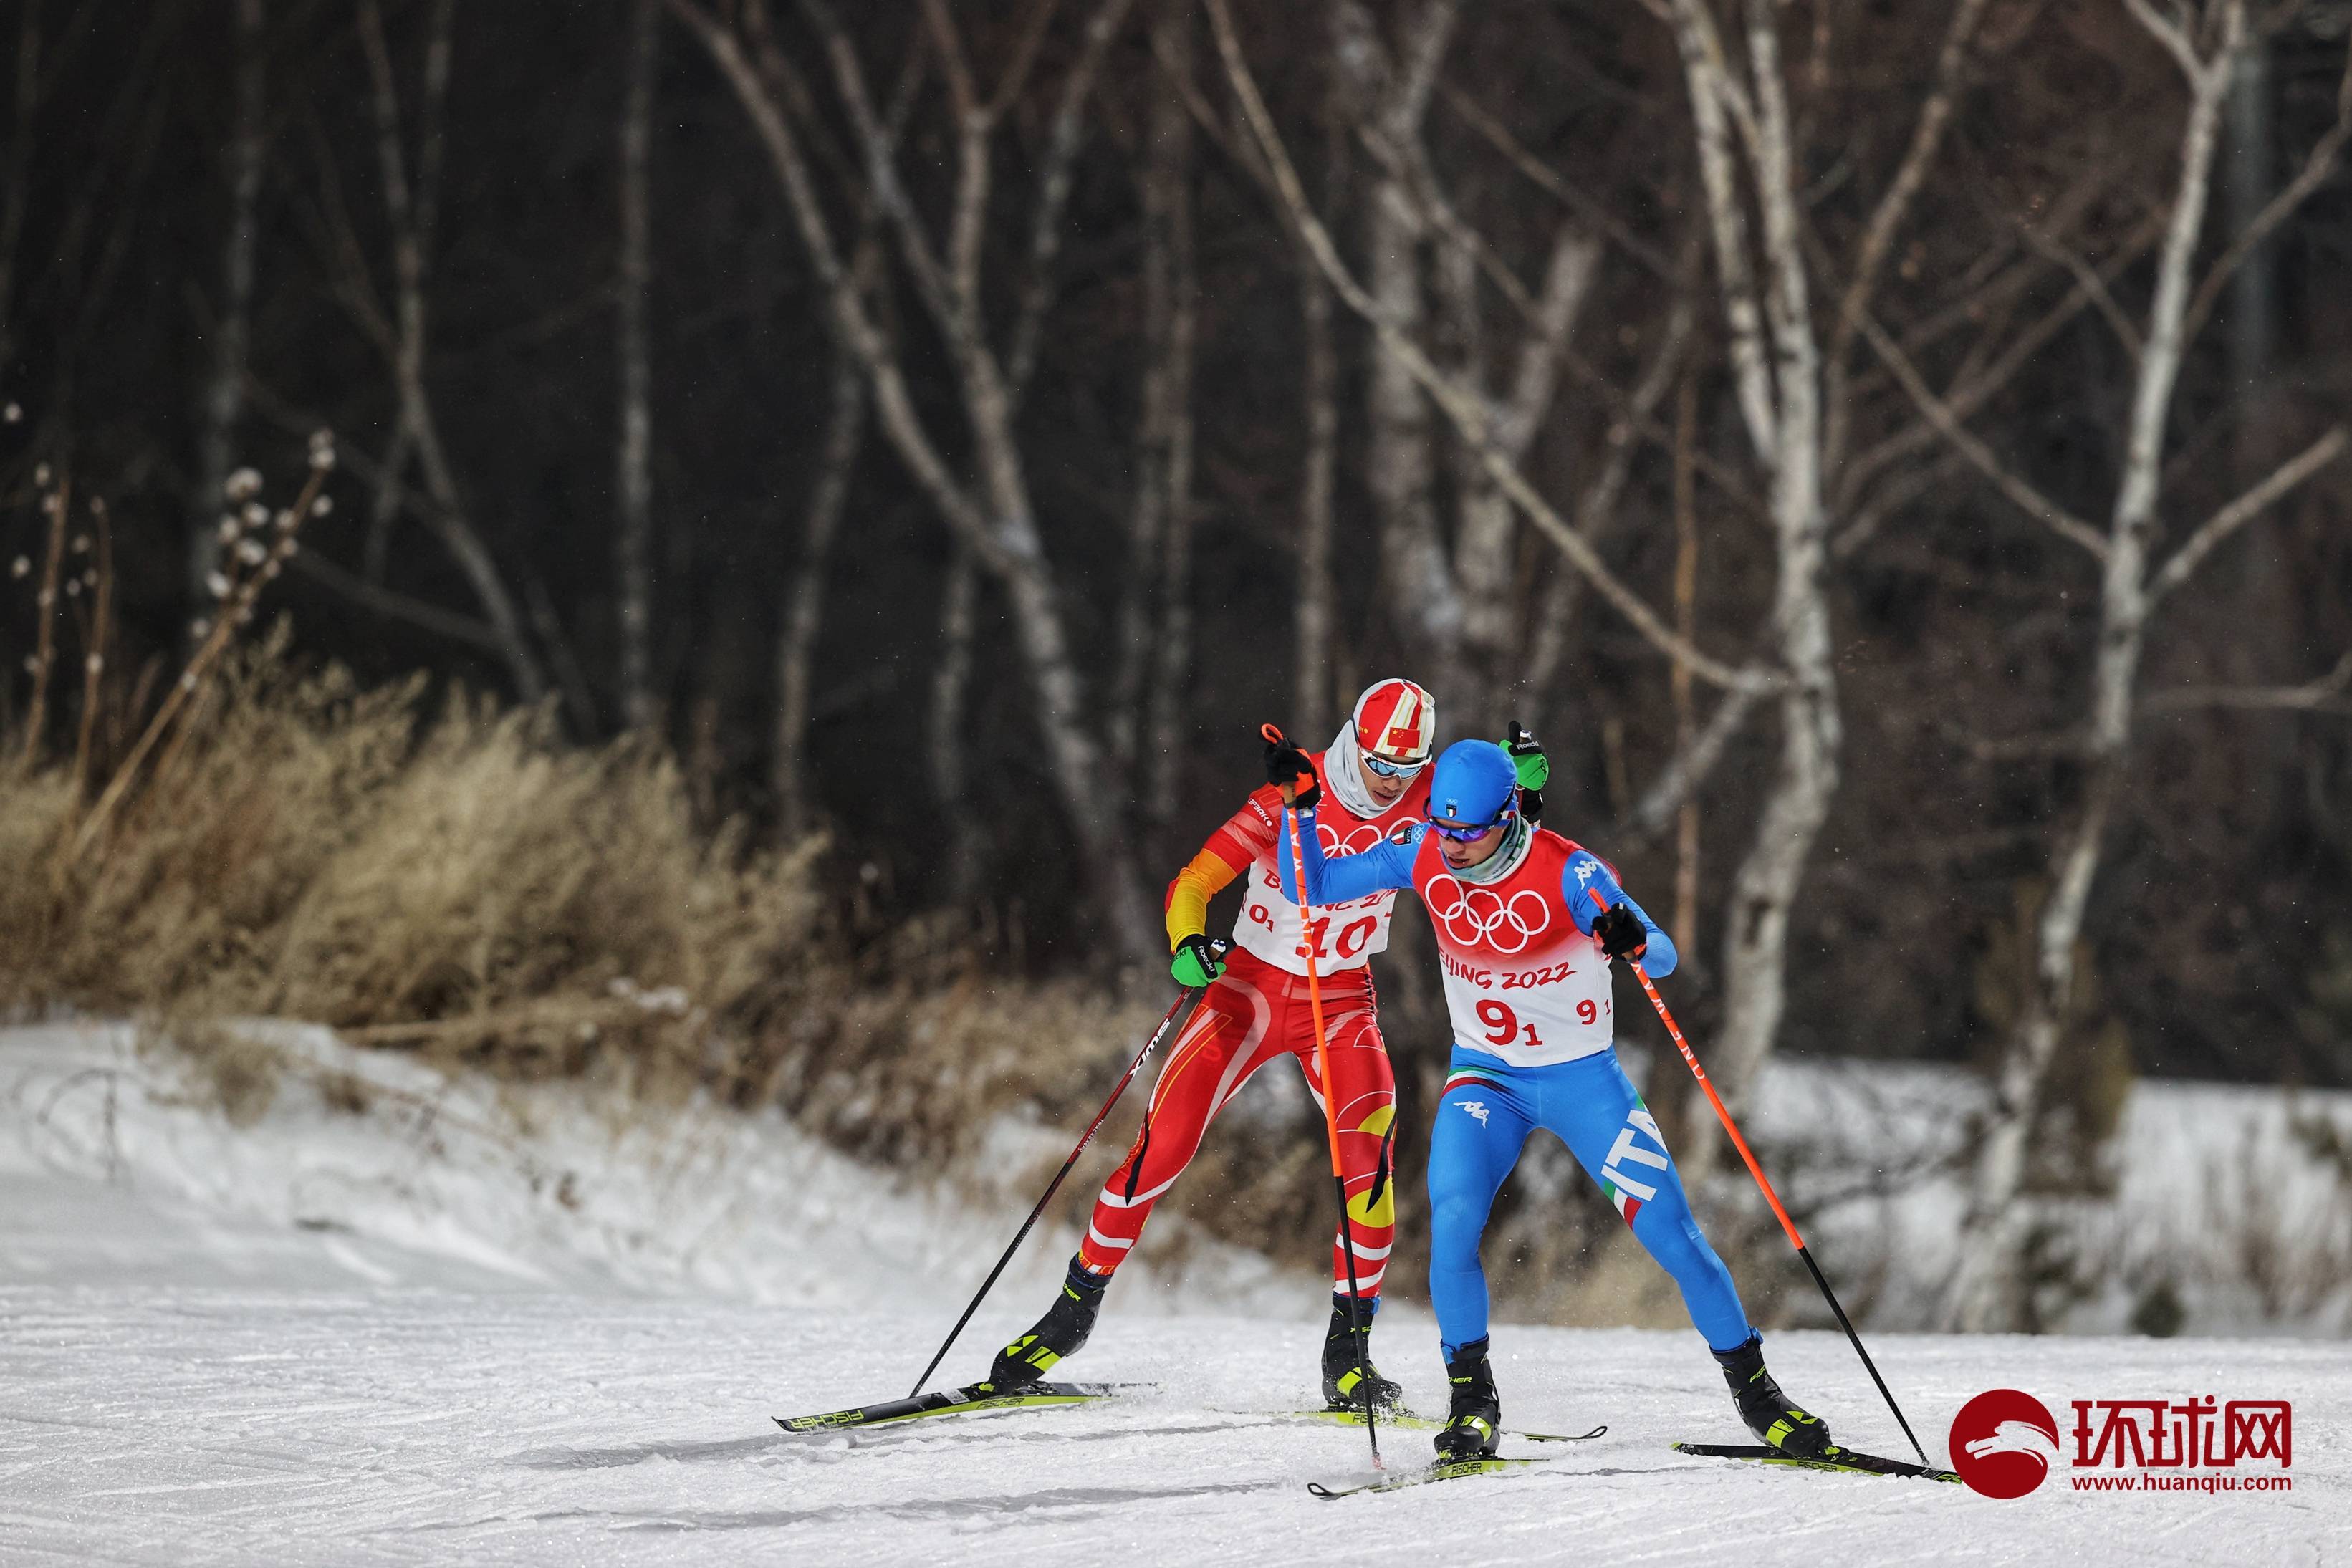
<point>1476,1109</point>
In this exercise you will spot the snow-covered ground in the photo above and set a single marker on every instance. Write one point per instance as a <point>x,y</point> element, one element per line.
<point>2234,1200</point>
<point>438,1325</point>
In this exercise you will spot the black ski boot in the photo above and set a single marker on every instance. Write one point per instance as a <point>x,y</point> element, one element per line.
<point>1474,1422</point>
<point>1767,1410</point>
<point>1061,1331</point>
<point>1348,1364</point>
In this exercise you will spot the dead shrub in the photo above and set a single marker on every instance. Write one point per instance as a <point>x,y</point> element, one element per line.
<point>470,884</point>
<point>240,1074</point>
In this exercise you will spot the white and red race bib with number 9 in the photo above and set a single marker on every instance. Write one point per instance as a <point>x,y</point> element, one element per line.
<point>1522,983</point>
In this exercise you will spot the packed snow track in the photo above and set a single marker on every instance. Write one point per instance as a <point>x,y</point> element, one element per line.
<point>193,1377</point>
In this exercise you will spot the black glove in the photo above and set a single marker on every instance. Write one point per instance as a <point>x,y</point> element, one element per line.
<point>1533,767</point>
<point>1285,764</point>
<point>1621,933</point>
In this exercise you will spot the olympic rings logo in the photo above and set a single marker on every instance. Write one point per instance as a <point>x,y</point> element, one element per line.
<point>1471,915</point>
<point>1355,842</point>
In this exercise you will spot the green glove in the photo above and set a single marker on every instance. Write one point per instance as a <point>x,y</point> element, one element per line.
<point>1197,962</point>
<point>1528,757</point>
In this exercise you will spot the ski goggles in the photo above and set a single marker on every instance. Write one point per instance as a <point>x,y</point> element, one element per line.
<point>1388,770</point>
<point>1467,835</point>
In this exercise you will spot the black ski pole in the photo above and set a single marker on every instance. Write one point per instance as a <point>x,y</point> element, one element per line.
<point>1190,994</point>
<point>1690,1058</point>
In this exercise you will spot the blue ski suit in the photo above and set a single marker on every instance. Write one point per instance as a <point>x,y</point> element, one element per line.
<point>1533,1048</point>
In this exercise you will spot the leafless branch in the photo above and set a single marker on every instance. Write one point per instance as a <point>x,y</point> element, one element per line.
<point>1499,137</point>
<point>2172,35</point>
<point>1893,206</point>
<point>1024,56</point>
<point>2034,746</point>
<point>2028,499</point>
<point>2052,248</point>
<point>398,606</point>
<point>1459,406</point>
<point>2218,528</point>
<point>1974,389</point>
<point>1920,478</point>
<point>2317,168</point>
<point>2326,694</point>
<point>1690,766</point>
<point>931,277</point>
<point>1054,194</point>
<point>893,398</point>
<point>1702,50</point>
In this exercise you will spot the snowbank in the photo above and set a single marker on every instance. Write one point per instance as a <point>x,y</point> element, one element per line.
<point>395,1173</point>
<point>2221,1208</point>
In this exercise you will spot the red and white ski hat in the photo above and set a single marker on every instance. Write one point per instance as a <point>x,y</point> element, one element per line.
<point>1396,721</point>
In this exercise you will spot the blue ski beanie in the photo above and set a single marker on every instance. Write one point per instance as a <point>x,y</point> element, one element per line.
<point>1474,781</point>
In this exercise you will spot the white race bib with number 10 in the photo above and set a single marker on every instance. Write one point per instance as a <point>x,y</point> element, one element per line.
<point>1344,936</point>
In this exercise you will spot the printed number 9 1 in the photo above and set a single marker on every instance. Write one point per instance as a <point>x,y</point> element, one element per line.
<point>1503,1025</point>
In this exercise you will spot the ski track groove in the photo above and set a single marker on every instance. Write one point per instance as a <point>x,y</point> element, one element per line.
<point>173,1430</point>
<point>184,1383</point>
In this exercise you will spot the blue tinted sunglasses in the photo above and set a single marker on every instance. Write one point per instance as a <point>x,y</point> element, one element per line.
<point>1388,770</point>
<point>1466,835</point>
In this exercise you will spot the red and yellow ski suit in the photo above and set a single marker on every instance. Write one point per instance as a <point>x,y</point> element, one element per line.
<point>1259,1010</point>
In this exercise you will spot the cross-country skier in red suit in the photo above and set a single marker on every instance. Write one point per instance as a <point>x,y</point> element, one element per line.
<point>1256,1011</point>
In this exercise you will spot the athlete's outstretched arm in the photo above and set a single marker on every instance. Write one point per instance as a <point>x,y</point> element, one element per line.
<point>1384,866</point>
<point>1587,884</point>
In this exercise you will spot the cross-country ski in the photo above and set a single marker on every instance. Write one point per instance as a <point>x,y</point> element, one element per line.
<point>1830,1458</point>
<point>1421,1475</point>
<point>1406,1421</point>
<point>960,1402</point>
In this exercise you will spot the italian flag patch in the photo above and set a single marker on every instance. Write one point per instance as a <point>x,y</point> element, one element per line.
<point>1462,1075</point>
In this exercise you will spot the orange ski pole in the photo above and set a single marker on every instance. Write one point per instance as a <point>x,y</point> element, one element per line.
<point>1355,1326</point>
<point>1690,1058</point>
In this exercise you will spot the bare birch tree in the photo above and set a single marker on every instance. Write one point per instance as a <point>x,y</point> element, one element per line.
<point>632,478</point>
<point>1455,602</point>
<point>400,334</point>
<point>993,514</point>
<point>804,597</point>
<point>1171,661</point>
<point>1148,596</point>
<point>1314,701</point>
<point>1992,1290</point>
<point>16,201</point>
<point>1776,362</point>
<point>223,404</point>
<point>1748,159</point>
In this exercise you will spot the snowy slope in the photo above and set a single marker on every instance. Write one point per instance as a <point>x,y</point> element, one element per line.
<point>396,1174</point>
<point>2238,1200</point>
<point>385,1338</point>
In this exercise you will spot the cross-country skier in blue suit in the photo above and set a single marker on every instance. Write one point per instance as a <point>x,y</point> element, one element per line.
<point>1526,924</point>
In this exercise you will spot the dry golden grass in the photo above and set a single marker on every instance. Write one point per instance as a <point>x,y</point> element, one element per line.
<point>465,884</point>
